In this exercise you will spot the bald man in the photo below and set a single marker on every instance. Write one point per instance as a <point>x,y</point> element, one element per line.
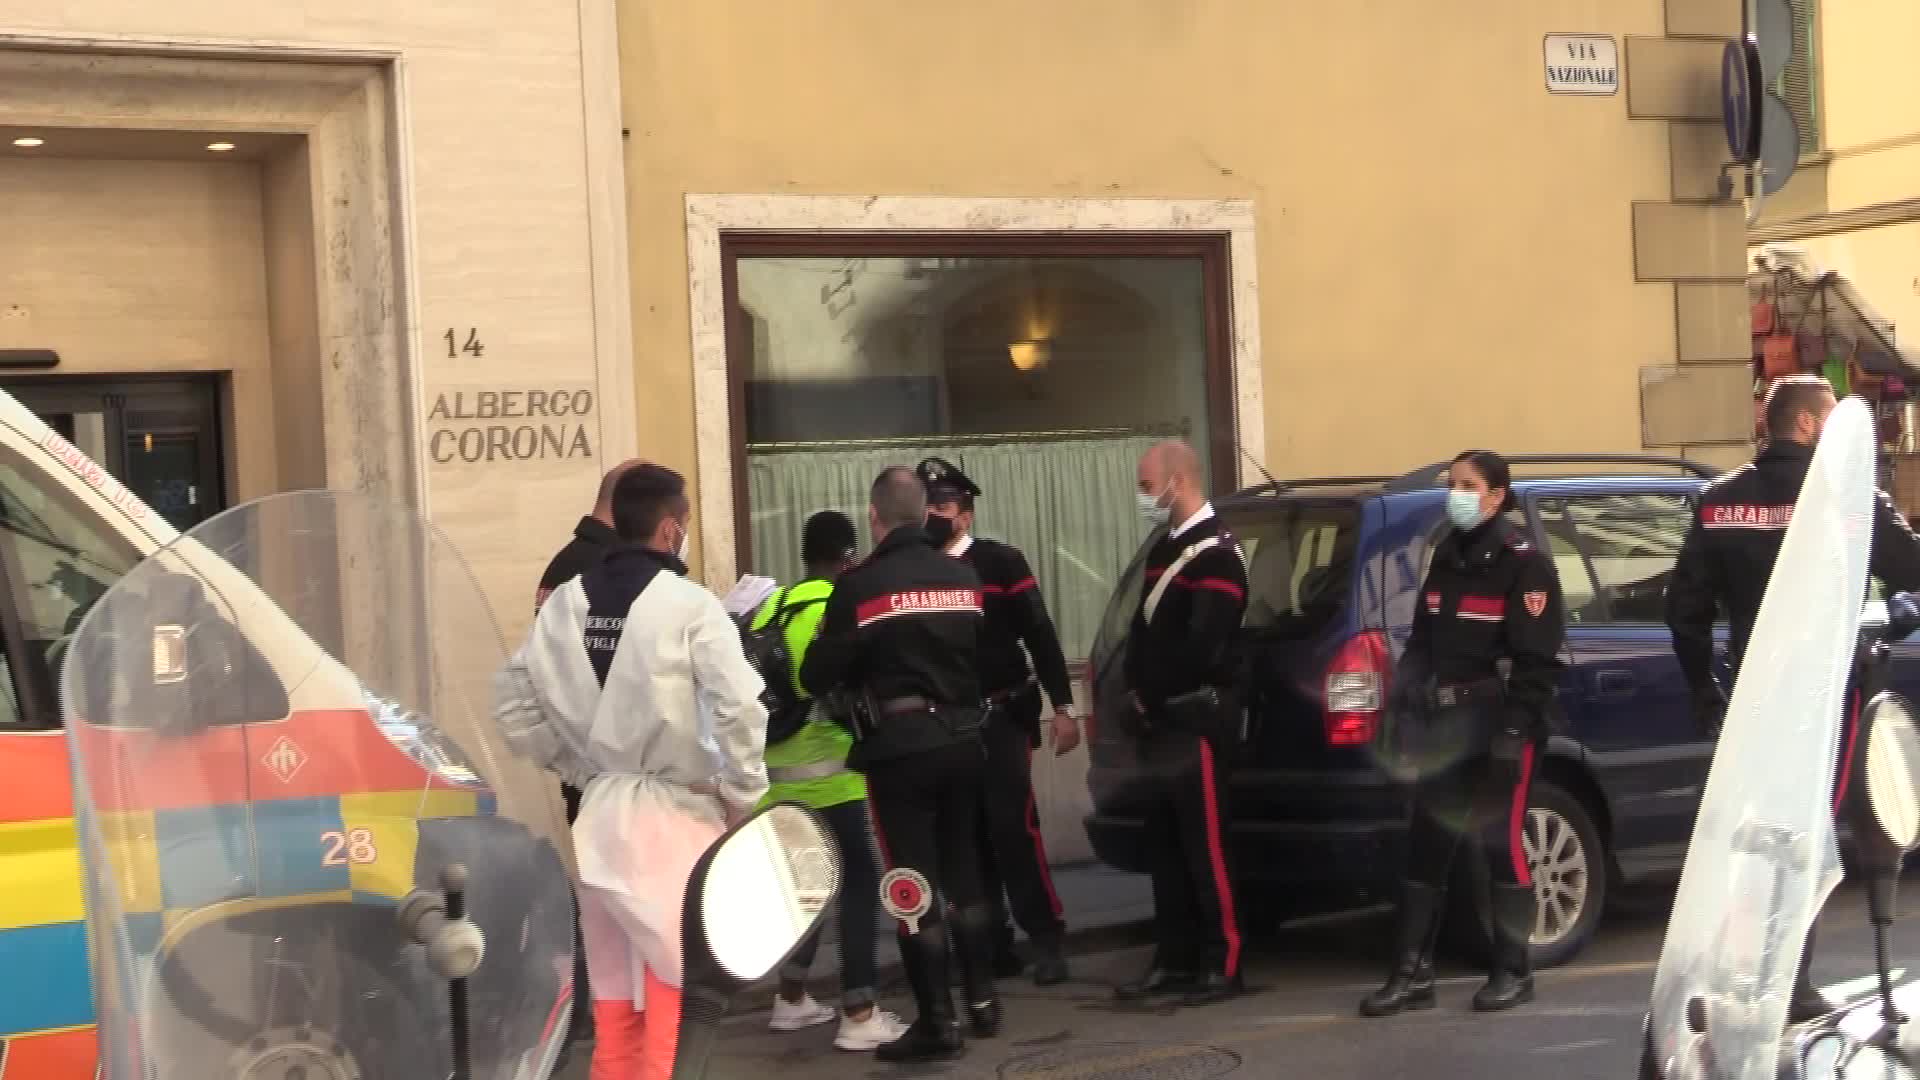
<point>592,538</point>
<point>1180,668</point>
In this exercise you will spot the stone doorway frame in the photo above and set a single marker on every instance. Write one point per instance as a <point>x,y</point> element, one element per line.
<point>348,106</point>
<point>708,216</point>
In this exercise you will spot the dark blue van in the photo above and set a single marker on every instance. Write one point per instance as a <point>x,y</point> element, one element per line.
<point>1334,571</point>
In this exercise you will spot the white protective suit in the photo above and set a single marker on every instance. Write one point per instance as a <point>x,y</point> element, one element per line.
<point>673,740</point>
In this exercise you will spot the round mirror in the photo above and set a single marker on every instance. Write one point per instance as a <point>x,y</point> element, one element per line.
<point>1893,769</point>
<point>765,887</point>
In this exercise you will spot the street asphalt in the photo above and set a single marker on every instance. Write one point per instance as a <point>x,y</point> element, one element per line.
<point>1299,1019</point>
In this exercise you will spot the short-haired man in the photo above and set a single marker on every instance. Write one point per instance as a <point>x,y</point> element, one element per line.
<point>1179,665</point>
<point>1019,656</point>
<point>810,767</point>
<point>901,633</point>
<point>1728,557</point>
<point>633,684</point>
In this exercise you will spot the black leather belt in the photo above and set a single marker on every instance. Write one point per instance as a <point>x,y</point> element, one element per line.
<point>901,706</point>
<point>1001,697</point>
<point>1455,695</point>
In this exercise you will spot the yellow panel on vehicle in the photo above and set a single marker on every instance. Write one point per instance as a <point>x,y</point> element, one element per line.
<point>43,873</point>
<point>129,837</point>
<point>383,834</point>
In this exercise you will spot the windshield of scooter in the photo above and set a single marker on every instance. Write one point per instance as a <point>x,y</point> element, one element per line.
<point>280,726</point>
<point>1763,856</point>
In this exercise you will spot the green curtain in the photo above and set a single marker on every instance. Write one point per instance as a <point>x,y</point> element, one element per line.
<point>1068,504</point>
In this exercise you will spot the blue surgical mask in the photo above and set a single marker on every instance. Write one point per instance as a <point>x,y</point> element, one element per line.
<point>1463,509</point>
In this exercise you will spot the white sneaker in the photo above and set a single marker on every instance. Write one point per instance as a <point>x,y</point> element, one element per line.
<point>799,1015</point>
<point>878,1029</point>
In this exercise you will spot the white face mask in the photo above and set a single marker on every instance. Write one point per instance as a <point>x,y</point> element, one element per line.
<point>1150,508</point>
<point>685,537</point>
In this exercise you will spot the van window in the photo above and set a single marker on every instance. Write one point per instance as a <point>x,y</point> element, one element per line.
<point>1626,543</point>
<point>1299,565</point>
<point>59,559</point>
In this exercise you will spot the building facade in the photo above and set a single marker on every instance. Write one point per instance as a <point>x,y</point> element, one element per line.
<point>1335,240</point>
<point>348,245</point>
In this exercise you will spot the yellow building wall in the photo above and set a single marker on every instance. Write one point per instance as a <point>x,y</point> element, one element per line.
<point>1446,252</point>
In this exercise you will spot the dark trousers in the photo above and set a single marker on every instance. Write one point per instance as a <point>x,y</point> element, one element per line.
<point>582,1026</point>
<point>859,902</point>
<point>1477,799</point>
<point>1013,856</point>
<point>926,815</point>
<point>1197,928</point>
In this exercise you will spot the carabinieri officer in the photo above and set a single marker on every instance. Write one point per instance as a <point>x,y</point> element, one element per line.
<point>1017,627</point>
<point>1472,738</point>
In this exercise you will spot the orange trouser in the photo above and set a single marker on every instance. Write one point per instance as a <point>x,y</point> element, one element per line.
<point>636,1044</point>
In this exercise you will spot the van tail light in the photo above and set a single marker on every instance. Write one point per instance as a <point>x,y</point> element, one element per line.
<point>1357,689</point>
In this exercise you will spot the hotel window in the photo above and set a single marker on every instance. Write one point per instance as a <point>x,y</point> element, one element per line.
<point>1041,366</point>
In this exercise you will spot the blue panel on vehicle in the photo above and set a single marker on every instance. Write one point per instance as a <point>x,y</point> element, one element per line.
<point>298,837</point>
<point>47,985</point>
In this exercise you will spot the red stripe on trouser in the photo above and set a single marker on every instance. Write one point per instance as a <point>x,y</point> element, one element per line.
<point>1846,753</point>
<point>1517,821</point>
<point>1039,844</point>
<point>1217,855</point>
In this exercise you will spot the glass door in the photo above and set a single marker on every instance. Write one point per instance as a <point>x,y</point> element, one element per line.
<point>159,437</point>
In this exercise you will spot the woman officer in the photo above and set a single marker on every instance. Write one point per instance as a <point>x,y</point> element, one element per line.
<point>1471,738</point>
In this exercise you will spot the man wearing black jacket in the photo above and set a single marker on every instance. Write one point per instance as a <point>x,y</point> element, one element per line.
<point>901,634</point>
<point>1013,855</point>
<point>1728,557</point>
<point>1179,667</point>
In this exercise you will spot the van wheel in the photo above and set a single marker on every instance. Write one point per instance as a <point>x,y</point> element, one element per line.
<point>1568,861</point>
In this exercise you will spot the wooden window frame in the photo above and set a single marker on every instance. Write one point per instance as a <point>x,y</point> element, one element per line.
<point>1222,451</point>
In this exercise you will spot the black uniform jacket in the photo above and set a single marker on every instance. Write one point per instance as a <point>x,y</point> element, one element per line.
<point>1729,554</point>
<point>1490,595</point>
<point>1189,642</point>
<point>1015,615</point>
<point>904,623</point>
<point>592,539</point>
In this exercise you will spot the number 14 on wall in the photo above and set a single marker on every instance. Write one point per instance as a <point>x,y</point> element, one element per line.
<point>472,347</point>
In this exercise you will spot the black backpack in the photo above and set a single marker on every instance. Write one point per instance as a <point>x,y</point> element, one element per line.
<point>767,652</point>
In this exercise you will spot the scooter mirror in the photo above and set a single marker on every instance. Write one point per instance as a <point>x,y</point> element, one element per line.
<point>765,888</point>
<point>753,898</point>
<point>1893,769</point>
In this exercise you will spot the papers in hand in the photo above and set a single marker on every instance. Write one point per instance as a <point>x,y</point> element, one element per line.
<point>748,594</point>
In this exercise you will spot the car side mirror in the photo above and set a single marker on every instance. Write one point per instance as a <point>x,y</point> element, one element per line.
<point>755,895</point>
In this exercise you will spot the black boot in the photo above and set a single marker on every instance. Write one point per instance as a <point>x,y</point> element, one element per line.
<point>1049,961</point>
<point>935,1034</point>
<point>1510,982</point>
<point>1411,984</point>
<point>1007,961</point>
<point>972,944</point>
<point>1807,1003</point>
<point>1160,982</point>
<point>1212,989</point>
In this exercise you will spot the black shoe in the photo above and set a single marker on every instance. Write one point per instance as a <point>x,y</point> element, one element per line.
<point>1504,990</point>
<point>925,1040</point>
<point>1158,983</point>
<point>1410,987</point>
<point>984,1018</point>
<point>1213,989</point>
<point>1807,1003</point>
<point>1511,981</point>
<point>1050,969</point>
<point>1007,962</point>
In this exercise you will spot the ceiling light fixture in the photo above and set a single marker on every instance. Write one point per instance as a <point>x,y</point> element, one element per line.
<point>219,147</point>
<point>28,142</point>
<point>1030,355</point>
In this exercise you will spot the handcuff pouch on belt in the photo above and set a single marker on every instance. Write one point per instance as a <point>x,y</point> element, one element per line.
<point>906,724</point>
<point>1206,712</point>
<point>1010,703</point>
